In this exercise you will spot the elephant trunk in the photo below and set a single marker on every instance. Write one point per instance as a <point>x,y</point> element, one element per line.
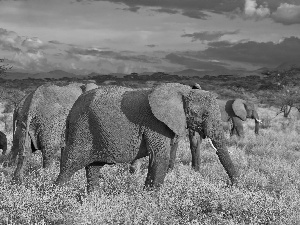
<point>225,160</point>
<point>217,139</point>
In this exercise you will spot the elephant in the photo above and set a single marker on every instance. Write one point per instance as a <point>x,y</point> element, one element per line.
<point>39,123</point>
<point>236,111</point>
<point>121,125</point>
<point>195,142</point>
<point>3,142</point>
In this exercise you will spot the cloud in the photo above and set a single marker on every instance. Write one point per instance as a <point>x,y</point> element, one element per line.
<point>287,14</point>
<point>256,53</point>
<point>252,10</point>
<point>281,11</point>
<point>55,42</point>
<point>151,46</point>
<point>31,61</point>
<point>190,8</point>
<point>33,44</point>
<point>165,10</point>
<point>196,14</point>
<point>209,35</point>
<point>95,53</point>
<point>9,40</point>
<point>194,63</point>
<point>132,9</point>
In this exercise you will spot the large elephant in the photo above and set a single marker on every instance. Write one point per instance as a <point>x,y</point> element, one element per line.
<point>236,111</point>
<point>119,124</point>
<point>3,142</point>
<point>39,123</point>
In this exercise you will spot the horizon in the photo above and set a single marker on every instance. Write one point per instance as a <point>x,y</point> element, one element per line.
<point>139,36</point>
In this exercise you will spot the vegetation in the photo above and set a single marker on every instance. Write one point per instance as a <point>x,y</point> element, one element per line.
<point>268,192</point>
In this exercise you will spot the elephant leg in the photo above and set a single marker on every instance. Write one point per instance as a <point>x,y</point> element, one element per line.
<point>47,157</point>
<point>4,147</point>
<point>18,174</point>
<point>174,147</point>
<point>232,128</point>
<point>93,176</point>
<point>195,142</point>
<point>238,126</point>
<point>71,161</point>
<point>256,129</point>
<point>159,157</point>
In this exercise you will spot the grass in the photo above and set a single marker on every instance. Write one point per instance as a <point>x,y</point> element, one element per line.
<point>268,191</point>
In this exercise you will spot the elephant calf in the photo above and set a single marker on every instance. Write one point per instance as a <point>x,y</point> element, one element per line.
<point>118,125</point>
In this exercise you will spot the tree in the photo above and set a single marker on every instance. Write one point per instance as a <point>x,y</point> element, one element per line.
<point>4,67</point>
<point>288,97</point>
<point>286,89</point>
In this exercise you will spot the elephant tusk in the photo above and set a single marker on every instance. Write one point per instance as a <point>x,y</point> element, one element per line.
<point>258,120</point>
<point>212,145</point>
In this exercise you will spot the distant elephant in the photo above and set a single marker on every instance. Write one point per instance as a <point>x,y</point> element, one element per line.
<point>39,123</point>
<point>236,111</point>
<point>119,124</point>
<point>3,142</point>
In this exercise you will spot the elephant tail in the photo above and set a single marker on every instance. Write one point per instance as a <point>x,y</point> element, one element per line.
<point>31,110</point>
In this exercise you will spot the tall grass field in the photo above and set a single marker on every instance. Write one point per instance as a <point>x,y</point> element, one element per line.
<point>268,191</point>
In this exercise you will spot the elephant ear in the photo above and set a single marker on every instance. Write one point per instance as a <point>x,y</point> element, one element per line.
<point>238,107</point>
<point>166,103</point>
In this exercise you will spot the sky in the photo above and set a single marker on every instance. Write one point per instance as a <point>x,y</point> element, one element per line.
<point>126,36</point>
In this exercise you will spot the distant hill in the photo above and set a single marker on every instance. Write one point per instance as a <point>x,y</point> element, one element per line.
<point>190,73</point>
<point>288,66</point>
<point>55,74</point>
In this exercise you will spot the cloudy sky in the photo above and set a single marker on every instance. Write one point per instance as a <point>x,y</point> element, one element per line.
<point>125,36</point>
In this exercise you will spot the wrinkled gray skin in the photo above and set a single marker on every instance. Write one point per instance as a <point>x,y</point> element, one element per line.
<point>118,125</point>
<point>195,142</point>
<point>39,123</point>
<point>237,111</point>
<point>3,142</point>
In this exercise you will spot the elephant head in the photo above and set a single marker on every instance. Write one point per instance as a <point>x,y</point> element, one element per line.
<point>181,107</point>
<point>88,87</point>
<point>244,109</point>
